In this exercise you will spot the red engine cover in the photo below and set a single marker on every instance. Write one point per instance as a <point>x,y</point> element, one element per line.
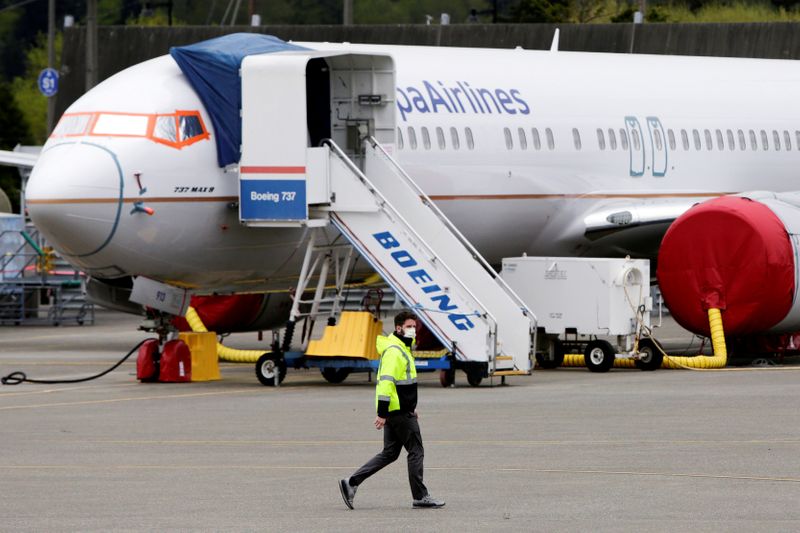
<point>223,313</point>
<point>146,365</point>
<point>730,253</point>
<point>176,362</point>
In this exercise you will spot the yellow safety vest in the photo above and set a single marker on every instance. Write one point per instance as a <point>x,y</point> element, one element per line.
<point>396,368</point>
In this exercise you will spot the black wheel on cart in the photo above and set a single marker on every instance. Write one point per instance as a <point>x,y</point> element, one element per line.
<point>474,376</point>
<point>335,375</point>
<point>269,367</point>
<point>447,377</point>
<point>599,356</point>
<point>652,356</point>
<point>554,357</point>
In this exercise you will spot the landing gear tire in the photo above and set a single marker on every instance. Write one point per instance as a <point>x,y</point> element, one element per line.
<point>474,377</point>
<point>335,375</point>
<point>269,367</point>
<point>599,356</point>
<point>554,358</point>
<point>652,356</point>
<point>447,378</point>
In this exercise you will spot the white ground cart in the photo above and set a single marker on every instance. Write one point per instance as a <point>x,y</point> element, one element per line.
<point>580,300</point>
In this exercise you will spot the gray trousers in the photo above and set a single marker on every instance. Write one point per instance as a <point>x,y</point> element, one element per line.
<point>400,431</point>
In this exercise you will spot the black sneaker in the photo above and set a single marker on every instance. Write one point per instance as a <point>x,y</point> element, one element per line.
<point>348,492</point>
<point>428,502</point>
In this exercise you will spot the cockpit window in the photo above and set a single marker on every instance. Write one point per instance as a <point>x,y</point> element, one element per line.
<point>128,125</point>
<point>165,129</point>
<point>190,127</point>
<point>177,129</point>
<point>72,125</point>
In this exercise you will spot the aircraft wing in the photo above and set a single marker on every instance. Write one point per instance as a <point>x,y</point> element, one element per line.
<point>619,217</point>
<point>18,159</point>
<point>625,226</point>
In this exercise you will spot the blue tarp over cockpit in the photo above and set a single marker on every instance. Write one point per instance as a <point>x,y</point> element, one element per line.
<point>212,68</point>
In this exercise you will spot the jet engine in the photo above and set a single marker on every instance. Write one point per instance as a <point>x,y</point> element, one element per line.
<point>240,312</point>
<point>738,254</point>
<point>219,313</point>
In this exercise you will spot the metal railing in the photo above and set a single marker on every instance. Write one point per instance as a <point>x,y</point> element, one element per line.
<point>30,270</point>
<point>385,203</point>
<point>9,257</point>
<point>464,241</point>
<point>446,221</point>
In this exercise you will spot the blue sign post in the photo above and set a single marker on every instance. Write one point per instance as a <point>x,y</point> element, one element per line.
<point>48,82</point>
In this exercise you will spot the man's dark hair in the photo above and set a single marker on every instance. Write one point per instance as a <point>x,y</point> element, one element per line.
<point>402,316</point>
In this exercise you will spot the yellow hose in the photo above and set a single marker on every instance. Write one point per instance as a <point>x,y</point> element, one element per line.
<point>576,359</point>
<point>720,357</point>
<point>718,360</point>
<point>231,355</point>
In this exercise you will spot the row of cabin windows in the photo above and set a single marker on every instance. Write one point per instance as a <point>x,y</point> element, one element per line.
<point>536,139</point>
<point>623,139</point>
<point>727,139</point>
<point>778,139</point>
<point>441,138</point>
<point>745,141</point>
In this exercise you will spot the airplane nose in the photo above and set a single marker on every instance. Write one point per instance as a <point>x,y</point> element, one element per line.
<point>74,196</point>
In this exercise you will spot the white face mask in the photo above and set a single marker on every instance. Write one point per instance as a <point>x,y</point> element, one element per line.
<point>410,332</point>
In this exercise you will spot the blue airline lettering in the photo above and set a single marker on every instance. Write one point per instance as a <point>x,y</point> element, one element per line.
<point>457,98</point>
<point>435,98</point>
<point>404,259</point>
<point>418,100</point>
<point>438,297</point>
<point>515,95</point>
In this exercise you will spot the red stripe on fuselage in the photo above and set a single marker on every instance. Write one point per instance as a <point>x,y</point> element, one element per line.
<point>272,170</point>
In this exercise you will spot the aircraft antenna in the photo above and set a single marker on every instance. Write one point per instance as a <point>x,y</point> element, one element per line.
<point>554,44</point>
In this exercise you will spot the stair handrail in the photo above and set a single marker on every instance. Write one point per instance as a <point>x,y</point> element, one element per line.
<point>374,190</point>
<point>29,239</point>
<point>464,241</point>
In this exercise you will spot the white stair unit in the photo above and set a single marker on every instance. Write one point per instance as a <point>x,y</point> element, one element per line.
<point>367,196</point>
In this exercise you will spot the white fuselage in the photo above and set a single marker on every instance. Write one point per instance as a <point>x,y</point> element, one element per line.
<point>519,154</point>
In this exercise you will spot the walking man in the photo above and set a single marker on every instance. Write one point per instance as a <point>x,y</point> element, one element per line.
<point>396,401</point>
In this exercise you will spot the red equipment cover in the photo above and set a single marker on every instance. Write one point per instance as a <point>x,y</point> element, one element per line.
<point>147,361</point>
<point>224,313</point>
<point>176,362</point>
<point>730,253</point>
<point>426,340</point>
<point>780,345</point>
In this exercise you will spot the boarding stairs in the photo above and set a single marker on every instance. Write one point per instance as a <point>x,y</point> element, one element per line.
<point>427,262</point>
<point>316,153</point>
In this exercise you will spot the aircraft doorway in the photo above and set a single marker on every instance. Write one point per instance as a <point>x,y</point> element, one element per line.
<point>658,146</point>
<point>318,101</point>
<point>635,147</point>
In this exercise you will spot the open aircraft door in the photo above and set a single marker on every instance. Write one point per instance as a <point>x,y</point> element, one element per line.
<point>291,102</point>
<point>272,169</point>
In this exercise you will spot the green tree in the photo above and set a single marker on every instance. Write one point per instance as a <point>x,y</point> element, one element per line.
<point>316,12</point>
<point>411,12</point>
<point>10,45</point>
<point>654,14</point>
<point>584,11</point>
<point>540,11</point>
<point>20,25</point>
<point>26,89</point>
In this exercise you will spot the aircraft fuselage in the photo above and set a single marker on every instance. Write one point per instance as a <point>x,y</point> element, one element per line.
<point>525,151</point>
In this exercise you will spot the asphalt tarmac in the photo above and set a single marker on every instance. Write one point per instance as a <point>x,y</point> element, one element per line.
<point>561,450</point>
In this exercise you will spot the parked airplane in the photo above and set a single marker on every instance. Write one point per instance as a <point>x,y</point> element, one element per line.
<point>537,152</point>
